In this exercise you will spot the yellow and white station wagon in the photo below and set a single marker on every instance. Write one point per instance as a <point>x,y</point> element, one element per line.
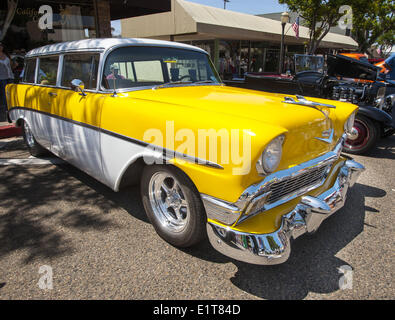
<point>249,170</point>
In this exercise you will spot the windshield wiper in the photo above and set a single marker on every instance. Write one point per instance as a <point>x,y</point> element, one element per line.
<point>182,82</point>
<point>205,81</point>
<point>170,83</point>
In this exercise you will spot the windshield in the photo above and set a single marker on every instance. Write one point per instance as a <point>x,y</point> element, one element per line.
<point>305,62</point>
<point>131,67</point>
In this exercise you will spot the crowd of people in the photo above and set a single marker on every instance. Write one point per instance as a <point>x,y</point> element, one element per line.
<point>233,67</point>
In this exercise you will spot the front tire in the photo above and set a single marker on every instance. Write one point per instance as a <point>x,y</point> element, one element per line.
<point>173,205</point>
<point>364,137</point>
<point>33,146</point>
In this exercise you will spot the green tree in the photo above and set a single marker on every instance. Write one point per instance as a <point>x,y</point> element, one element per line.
<point>373,21</point>
<point>318,15</point>
<point>373,24</point>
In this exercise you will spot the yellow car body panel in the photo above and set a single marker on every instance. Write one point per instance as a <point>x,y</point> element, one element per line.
<point>262,115</point>
<point>219,107</point>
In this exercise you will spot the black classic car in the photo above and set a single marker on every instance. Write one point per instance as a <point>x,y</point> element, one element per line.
<point>345,79</point>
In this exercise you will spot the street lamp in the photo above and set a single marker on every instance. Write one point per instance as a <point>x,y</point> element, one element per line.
<point>225,1</point>
<point>284,21</point>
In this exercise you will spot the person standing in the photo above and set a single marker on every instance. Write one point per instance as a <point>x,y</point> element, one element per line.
<point>6,76</point>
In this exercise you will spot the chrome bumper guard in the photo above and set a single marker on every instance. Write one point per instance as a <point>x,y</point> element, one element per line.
<point>307,216</point>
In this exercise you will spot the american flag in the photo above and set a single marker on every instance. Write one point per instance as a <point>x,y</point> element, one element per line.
<point>295,26</point>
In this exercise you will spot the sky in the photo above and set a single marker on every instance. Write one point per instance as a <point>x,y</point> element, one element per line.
<point>245,6</point>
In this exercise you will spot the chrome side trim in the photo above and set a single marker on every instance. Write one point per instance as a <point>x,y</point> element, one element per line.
<point>275,248</point>
<point>167,154</point>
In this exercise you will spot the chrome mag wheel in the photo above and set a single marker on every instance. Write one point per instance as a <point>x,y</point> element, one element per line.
<point>359,137</point>
<point>168,201</point>
<point>363,136</point>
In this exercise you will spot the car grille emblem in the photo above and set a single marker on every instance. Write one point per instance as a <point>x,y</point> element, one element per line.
<point>327,136</point>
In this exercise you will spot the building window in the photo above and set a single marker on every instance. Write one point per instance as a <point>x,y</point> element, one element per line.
<point>25,24</point>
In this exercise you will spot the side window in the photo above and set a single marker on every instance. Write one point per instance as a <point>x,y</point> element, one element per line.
<point>29,71</point>
<point>48,69</point>
<point>82,67</point>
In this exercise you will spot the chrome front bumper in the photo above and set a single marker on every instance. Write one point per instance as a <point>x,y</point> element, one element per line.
<point>307,216</point>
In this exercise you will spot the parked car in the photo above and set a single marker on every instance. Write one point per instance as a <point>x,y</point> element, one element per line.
<point>141,111</point>
<point>356,55</point>
<point>345,79</point>
<point>378,62</point>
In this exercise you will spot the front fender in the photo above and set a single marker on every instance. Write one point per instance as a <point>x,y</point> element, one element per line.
<point>376,114</point>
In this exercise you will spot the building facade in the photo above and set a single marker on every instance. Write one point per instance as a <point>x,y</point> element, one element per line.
<point>27,24</point>
<point>237,42</point>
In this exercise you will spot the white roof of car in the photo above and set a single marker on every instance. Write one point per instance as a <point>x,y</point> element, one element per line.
<point>105,44</point>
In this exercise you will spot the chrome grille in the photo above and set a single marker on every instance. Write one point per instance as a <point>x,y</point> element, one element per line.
<point>299,183</point>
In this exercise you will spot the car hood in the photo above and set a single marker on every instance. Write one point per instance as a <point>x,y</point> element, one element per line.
<point>259,106</point>
<point>345,67</point>
<point>221,104</point>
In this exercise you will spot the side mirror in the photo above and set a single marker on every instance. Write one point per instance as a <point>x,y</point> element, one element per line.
<point>78,86</point>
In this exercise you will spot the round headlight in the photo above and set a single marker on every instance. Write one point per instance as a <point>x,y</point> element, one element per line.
<point>271,156</point>
<point>349,124</point>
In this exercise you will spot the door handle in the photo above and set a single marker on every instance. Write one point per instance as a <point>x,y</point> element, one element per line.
<point>52,94</point>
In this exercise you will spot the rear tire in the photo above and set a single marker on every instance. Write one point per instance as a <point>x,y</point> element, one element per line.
<point>173,205</point>
<point>33,146</point>
<point>366,133</point>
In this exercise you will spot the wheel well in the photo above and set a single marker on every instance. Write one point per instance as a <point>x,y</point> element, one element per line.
<point>19,122</point>
<point>376,123</point>
<point>132,174</point>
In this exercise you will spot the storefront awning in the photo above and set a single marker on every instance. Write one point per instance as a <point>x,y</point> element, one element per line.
<point>189,21</point>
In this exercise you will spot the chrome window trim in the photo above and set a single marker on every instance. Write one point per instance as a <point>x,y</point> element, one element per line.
<point>60,70</point>
<point>104,44</point>
<point>70,89</point>
<point>58,52</point>
<point>125,90</point>
<point>38,68</point>
<point>24,68</point>
<point>97,75</point>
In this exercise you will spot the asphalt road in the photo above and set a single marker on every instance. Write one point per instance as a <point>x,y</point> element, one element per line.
<point>100,245</point>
